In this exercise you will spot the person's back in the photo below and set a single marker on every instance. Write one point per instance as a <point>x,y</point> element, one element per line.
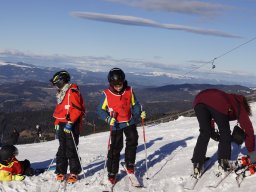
<point>222,107</point>
<point>215,98</point>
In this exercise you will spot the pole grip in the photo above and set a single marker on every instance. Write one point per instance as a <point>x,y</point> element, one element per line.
<point>113,114</point>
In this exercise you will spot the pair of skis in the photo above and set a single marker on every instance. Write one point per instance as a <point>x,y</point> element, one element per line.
<point>52,186</point>
<point>241,173</point>
<point>133,180</point>
<point>192,180</point>
<point>132,177</point>
<point>62,186</point>
<point>215,177</point>
<point>218,176</point>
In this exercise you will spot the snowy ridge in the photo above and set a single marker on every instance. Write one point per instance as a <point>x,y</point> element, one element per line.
<point>16,65</point>
<point>170,147</point>
<point>172,75</point>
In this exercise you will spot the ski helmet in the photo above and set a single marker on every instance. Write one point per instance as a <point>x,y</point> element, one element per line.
<point>116,76</point>
<point>7,152</point>
<point>60,78</point>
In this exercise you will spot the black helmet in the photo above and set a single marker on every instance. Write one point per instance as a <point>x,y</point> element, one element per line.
<point>116,76</point>
<point>60,78</point>
<point>7,152</point>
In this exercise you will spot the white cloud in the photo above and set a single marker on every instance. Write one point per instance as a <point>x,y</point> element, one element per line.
<point>11,52</point>
<point>138,21</point>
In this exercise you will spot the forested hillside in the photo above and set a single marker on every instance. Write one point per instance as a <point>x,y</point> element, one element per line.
<point>24,105</point>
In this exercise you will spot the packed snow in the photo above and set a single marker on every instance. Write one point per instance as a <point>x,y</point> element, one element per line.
<point>169,148</point>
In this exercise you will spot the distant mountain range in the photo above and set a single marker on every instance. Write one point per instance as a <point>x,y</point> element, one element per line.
<point>27,98</point>
<point>20,72</point>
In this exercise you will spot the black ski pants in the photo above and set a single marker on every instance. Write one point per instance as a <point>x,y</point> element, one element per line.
<point>204,116</point>
<point>67,154</point>
<point>116,147</point>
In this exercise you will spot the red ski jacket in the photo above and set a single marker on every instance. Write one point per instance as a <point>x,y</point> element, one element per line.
<point>228,104</point>
<point>71,108</point>
<point>13,168</point>
<point>17,168</point>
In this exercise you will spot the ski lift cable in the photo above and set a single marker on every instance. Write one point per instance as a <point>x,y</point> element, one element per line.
<point>254,38</point>
<point>225,53</point>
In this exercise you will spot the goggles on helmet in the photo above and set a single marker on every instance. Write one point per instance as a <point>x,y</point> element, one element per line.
<point>55,80</point>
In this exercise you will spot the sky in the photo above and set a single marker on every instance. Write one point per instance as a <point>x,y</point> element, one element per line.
<point>181,36</point>
<point>168,158</point>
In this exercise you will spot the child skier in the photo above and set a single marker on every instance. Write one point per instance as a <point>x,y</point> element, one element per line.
<point>10,168</point>
<point>68,116</point>
<point>121,110</point>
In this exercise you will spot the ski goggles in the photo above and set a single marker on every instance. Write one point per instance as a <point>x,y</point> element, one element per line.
<point>55,80</point>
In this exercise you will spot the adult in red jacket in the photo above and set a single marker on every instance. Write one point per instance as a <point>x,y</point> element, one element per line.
<point>68,121</point>
<point>222,107</point>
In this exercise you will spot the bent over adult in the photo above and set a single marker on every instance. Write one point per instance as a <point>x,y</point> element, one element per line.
<point>222,107</point>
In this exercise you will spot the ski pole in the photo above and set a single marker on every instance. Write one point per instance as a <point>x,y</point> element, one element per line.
<point>145,146</point>
<point>79,158</point>
<point>50,164</point>
<point>106,157</point>
<point>113,114</point>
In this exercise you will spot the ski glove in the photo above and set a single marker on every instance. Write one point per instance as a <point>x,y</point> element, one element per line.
<point>57,127</point>
<point>18,177</point>
<point>68,128</point>
<point>215,135</point>
<point>111,120</point>
<point>143,115</point>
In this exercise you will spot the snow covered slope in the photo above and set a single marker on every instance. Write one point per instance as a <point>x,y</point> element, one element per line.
<point>170,147</point>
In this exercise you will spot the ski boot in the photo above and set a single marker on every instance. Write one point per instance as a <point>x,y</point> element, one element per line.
<point>197,167</point>
<point>225,165</point>
<point>112,178</point>
<point>130,170</point>
<point>72,178</point>
<point>60,177</point>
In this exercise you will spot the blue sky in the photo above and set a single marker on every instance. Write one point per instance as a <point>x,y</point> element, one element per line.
<point>174,36</point>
